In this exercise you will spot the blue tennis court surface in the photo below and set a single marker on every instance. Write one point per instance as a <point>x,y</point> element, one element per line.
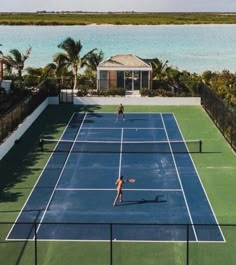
<point>73,198</point>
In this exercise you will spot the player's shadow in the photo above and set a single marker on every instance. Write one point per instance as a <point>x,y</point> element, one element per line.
<point>136,119</point>
<point>157,199</point>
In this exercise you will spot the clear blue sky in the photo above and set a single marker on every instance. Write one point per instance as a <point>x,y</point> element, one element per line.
<point>119,5</point>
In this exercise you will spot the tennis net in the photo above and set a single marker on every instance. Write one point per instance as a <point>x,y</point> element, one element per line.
<point>189,146</point>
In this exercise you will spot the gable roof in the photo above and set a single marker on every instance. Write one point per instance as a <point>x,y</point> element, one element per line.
<point>124,61</point>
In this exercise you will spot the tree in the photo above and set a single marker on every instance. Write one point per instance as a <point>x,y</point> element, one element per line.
<point>173,76</point>
<point>1,64</point>
<point>206,77</point>
<point>17,60</point>
<point>33,76</point>
<point>93,60</point>
<point>71,57</point>
<point>90,72</point>
<point>158,69</point>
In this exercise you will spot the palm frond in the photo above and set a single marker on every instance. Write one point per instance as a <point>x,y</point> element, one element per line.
<point>17,57</point>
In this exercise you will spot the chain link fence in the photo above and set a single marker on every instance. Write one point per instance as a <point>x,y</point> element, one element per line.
<point>88,249</point>
<point>10,120</point>
<point>224,116</point>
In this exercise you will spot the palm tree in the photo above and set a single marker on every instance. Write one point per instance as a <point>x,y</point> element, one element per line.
<point>93,60</point>
<point>158,69</point>
<point>33,76</point>
<point>71,58</point>
<point>17,60</point>
<point>60,73</point>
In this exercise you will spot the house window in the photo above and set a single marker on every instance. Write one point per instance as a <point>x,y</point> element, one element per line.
<point>128,80</point>
<point>103,80</point>
<point>120,79</point>
<point>145,79</point>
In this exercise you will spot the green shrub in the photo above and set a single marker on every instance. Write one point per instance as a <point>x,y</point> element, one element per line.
<point>112,92</point>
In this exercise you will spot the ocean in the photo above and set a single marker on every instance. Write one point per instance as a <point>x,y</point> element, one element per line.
<point>194,48</point>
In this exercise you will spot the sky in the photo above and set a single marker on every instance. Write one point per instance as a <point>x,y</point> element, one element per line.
<point>119,5</point>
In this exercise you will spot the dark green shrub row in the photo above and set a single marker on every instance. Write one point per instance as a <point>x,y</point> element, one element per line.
<point>112,92</point>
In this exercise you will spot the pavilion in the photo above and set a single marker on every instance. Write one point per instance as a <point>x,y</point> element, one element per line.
<point>125,71</point>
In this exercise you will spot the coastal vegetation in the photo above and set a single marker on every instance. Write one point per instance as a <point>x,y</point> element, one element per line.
<point>122,18</point>
<point>74,70</point>
<point>70,59</point>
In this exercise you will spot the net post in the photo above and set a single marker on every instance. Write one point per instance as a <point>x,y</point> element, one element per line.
<point>35,244</point>
<point>111,251</point>
<point>41,144</point>
<point>200,146</point>
<point>187,246</point>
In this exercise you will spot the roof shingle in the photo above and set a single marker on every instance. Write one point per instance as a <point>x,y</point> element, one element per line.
<point>124,60</point>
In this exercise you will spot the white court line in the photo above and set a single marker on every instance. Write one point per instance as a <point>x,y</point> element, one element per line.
<point>202,186</point>
<point>91,189</point>
<point>130,112</point>
<point>180,182</point>
<point>59,178</point>
<point>126,241</point>
<point>39,176</point>
<point>121,145</point>
<point>118,128</point>
<point>221,167</point>
<point>120,241</point>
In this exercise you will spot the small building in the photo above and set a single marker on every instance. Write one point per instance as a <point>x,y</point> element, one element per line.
<point>6,85</point>
<point>124,71</point>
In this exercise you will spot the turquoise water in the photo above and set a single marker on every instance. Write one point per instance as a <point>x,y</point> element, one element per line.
<point>189,47</point>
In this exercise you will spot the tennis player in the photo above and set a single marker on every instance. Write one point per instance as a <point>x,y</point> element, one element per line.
<point>119,184</point>
<point>120,111</point>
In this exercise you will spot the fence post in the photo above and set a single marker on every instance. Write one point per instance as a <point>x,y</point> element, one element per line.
<point>187,246</point>
<point>35,245</point>
<point>111,252</point>
<point>1,130</point>
<point>21,112</point>
<point>12,120</point>
<point>200,146</point>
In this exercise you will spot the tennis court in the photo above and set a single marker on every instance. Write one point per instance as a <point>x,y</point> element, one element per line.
<point>73,197</point>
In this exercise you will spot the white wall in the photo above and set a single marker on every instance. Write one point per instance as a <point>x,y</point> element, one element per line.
<point>138,101</point>
<point>22,128</point>
<point>53,100</point>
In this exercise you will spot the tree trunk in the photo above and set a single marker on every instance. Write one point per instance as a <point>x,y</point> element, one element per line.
<point>1,70</point>
<point>75,83</point>
<point>19,73</point>
<point>75,78</point>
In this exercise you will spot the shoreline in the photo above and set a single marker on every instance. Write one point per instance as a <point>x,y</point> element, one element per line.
<point>121,25</point>
<point>112,18</point>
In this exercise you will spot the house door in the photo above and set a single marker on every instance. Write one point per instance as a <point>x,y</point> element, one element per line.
<point>128,80</point>
<point>136,80</point>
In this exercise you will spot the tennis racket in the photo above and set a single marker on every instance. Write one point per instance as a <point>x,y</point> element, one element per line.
<point>131,180</point>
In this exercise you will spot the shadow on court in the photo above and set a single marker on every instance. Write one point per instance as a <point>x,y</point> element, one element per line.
<point>20,164</point>
<point>136,119</point>
<point>158,199</point>
<point>23,211</point>
<point>211,152</point>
